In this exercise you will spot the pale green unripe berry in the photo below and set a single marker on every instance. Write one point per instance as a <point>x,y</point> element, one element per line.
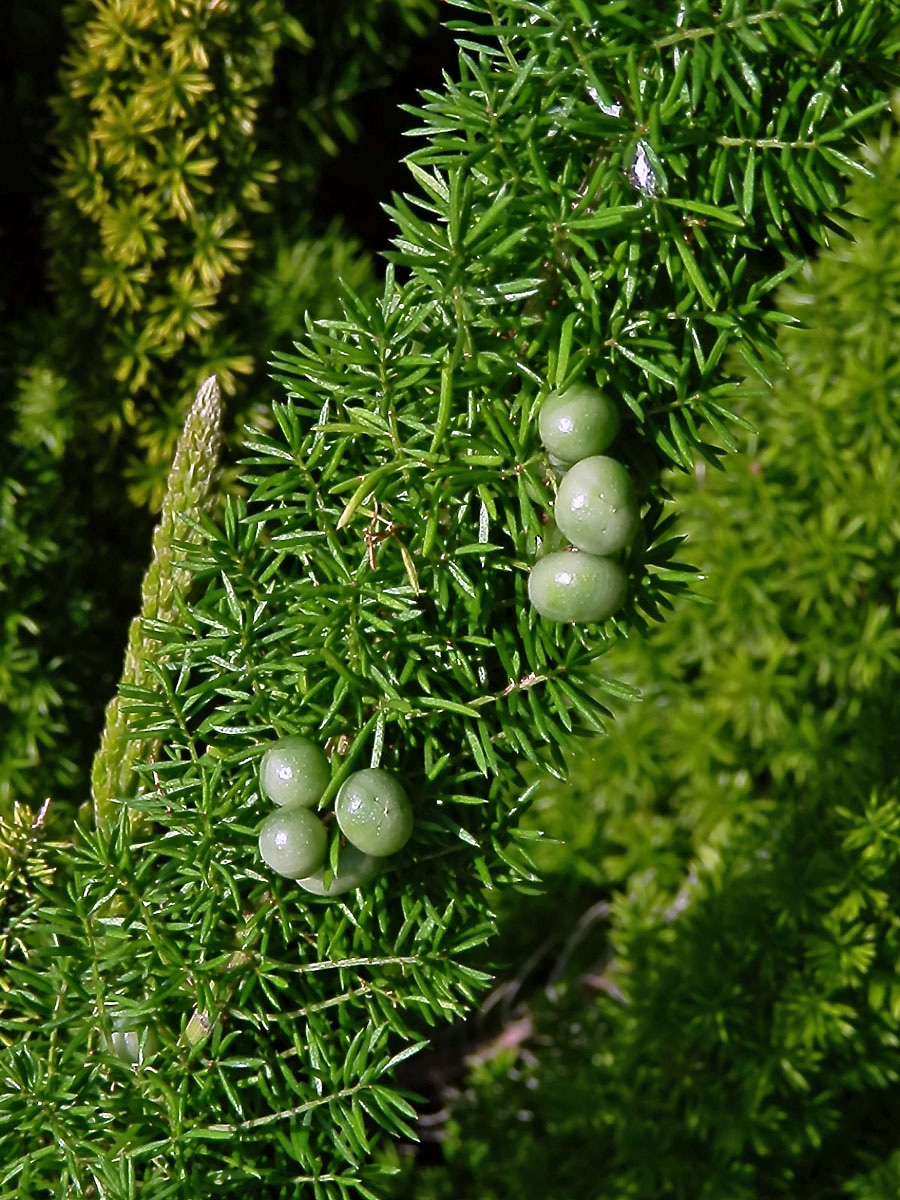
<point>294,771</point>
<point>373,812</point>
<point>292,841</point>
<point>577,423</point>
<point>571,586</point>
<point>354,869</point>
<point>596,508</point>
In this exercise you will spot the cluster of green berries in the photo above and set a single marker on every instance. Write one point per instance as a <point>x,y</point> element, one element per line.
<point>372,810</point>
<point>596,509</point>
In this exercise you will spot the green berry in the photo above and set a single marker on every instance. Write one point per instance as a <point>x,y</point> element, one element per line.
<point>578,423</point>
<point>292,841</point>
<point>373,812</point>
<point>571,586</point>
<point>596,508</point>
<point>294,771</point>
<point>354,869</point>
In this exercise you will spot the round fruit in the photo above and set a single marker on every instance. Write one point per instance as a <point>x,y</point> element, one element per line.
<point>577,423</point>
<point>354,868</point>
<point>596,508</point>
<point>571,586</point>
<point>373,812</point>
<point>294,771</point>
<point>292,841</point>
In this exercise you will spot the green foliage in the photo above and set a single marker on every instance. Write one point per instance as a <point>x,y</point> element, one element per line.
<point>130,198</point>
<point>880,1183</point>
<point>31,683</point>
<point>754,1047</point>
<point>369,589</point>
<point>303,277</point>
<point>72,552</point>
<point>166,218</point>
<point>24,863</point>
<point>189,495</point>
<point>705,153</point>
<point>66,578</point>
<point>747,1016</point>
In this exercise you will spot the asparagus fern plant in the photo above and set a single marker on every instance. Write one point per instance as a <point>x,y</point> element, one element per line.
<point>269,90</point>
<point>603,195</point>
<point>189,494</point>
<point>740,1012</point>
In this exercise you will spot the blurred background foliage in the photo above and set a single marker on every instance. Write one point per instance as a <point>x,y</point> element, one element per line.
<point>133,267</point>
<point>718,1015</point>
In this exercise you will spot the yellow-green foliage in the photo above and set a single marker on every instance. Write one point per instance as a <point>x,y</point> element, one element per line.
<point>189,495</point>
<point>159,170</point>
<point>168,184</point>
